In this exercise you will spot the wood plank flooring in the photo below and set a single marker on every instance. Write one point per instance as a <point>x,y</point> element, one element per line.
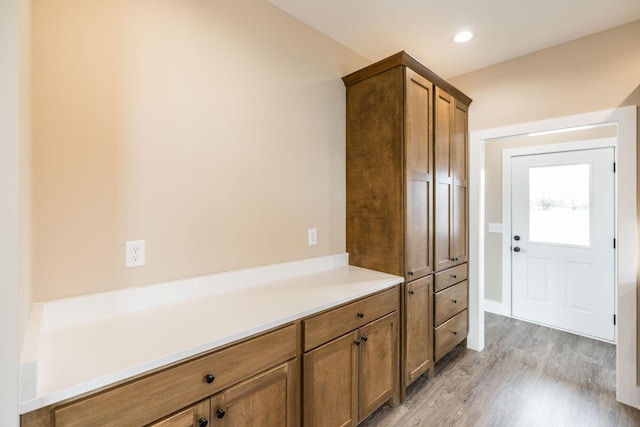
<point>527,375</point>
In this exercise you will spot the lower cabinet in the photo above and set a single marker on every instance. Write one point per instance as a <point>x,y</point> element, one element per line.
<point>418,328</point>
<point>350,376</point>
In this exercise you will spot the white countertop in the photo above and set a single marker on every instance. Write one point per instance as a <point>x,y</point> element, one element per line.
<point>83,344</point>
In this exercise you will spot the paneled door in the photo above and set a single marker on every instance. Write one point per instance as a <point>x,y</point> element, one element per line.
<point>562,247</point>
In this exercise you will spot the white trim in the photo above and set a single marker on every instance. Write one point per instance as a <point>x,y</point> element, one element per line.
<point>626,118</point>
<point>9,209</point>
<point>475,339</point>
<point>494,307</point>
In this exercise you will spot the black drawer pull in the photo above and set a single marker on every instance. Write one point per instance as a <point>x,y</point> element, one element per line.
<point>361,315</point>
<point>203,422</point>
<point>209,378</point>
<point>220,413</point>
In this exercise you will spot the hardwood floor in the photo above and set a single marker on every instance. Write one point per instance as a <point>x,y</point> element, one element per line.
<point>527,375</point>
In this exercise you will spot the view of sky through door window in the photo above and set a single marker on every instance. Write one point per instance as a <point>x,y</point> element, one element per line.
<point>559,199</point>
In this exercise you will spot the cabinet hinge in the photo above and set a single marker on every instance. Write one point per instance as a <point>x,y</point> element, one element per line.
<point>614,319</point>
<point>614,167</point>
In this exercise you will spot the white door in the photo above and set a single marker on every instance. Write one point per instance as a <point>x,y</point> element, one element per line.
<point>563,231</point>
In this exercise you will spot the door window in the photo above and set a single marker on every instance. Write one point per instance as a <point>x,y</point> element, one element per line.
<point>559,198</point>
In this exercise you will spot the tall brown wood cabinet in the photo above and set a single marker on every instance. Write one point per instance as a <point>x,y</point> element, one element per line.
<point>407,188</point>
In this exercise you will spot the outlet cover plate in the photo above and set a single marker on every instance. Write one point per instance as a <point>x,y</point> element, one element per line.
<point>134,253</point>
<point>313,236</point>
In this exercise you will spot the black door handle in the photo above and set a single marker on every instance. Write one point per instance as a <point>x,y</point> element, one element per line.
<point>516,249</point>
<point>516,237</point>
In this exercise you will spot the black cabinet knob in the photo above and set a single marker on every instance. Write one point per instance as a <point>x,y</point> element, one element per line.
<point>411,292</point>
<point>365,338</point>
<point>455,301</point>
<point>453,276</point>
<point>357,342</point>
<point>209,378</point>
<point>361,315</point>
<point>455,333</point>
<point>516,249</point>
<point>516,238</point>
<point>220,413</point>
<point>203,422</point>
<point>411,273</point>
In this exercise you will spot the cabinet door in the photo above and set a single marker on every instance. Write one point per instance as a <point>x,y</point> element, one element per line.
<point>444,180</point>
<point>460,241</point>
<point>419,175</point>
<point>378,371</point>
<point>451,207</point>
<point>194,416</point>
<point>419,331</point>
<point>330,383</point>
<point>268,399</point>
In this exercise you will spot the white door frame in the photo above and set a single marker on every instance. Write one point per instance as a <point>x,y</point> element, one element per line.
<point>627,390</point>
<point>507,155</point>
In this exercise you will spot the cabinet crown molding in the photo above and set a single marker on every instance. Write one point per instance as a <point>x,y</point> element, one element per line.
<point>402,58</point>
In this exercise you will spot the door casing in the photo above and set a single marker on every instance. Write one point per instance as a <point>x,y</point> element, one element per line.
<point>626,119</point>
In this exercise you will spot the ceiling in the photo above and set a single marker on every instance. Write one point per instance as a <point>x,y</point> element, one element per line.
<point>505,29</point>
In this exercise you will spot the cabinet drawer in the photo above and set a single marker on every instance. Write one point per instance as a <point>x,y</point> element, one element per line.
<point>324,327</point>
<point>451,301</point>
<point>142,401</point>
<point>446,278</point>
<point>450,334</point>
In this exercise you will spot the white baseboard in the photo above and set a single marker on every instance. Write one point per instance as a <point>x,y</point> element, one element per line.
<point>494,307</point>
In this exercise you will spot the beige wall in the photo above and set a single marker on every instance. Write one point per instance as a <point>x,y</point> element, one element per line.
<point>589,74</point>
<point>212,130</point>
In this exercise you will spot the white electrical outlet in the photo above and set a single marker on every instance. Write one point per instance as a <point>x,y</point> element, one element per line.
<point>313,236</point>
<point>134,253</point>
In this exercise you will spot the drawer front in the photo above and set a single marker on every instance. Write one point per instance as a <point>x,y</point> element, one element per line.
<point>147,399</point>
<point>324,327</point>
<point>451,301</point>
<point>449,277</point>
<point>450,334</point>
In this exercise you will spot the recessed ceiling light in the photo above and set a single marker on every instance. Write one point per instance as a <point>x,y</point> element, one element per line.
<point>463,36</point>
